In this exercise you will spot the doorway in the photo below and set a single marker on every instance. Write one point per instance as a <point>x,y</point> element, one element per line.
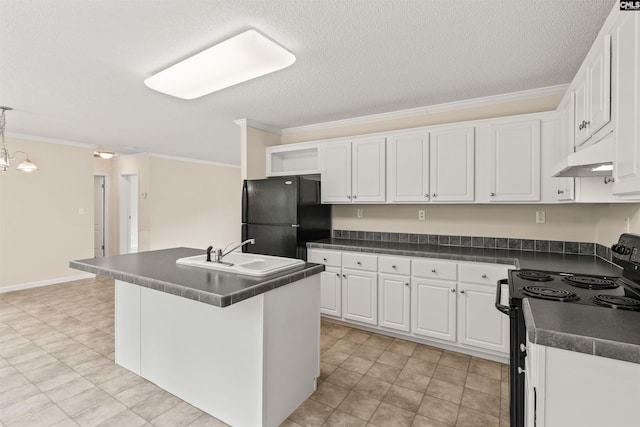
<point>128,213</point>
<point>100,215</point>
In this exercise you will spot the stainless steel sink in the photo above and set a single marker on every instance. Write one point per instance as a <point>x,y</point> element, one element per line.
<point>244,263</point>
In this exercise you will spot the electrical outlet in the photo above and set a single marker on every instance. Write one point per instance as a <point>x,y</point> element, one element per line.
<point>540,217</point>
<point>359,212</point>
<point>421,215</point>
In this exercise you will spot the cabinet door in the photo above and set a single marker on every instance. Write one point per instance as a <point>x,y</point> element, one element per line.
<point>600,87</point>
<point>565,146</point>
<point>368,176</point>
<point>515,162</point>
<point>360,296</point>
<point>433,309</point>
<point>409,167</point>
<point>331,292</point>
<point>626,168</point>
<point>581,117</point>
<point>452,154</point>
<point>336,172</point>
<point>479,323</point>
<point>394,302</point>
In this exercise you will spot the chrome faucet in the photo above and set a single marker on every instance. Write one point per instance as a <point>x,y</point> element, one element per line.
<point>221,253</point>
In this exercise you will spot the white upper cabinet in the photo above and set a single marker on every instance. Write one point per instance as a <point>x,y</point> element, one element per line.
<point>626,171</point>
<point>593,93</point>
<point>565,146</point>
<point>514,163</point>
<point>436,166</point>
<point>408,156</point>
<point>354,171</point>
<point>452,165</point>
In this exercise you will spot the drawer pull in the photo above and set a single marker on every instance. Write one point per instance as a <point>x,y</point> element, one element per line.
<point>406,284</point>
<point>359,263</point>
<point>433,270</point>
<point>338,274</point>
<point>462,291</point>
<point>394,267</point>
<point>453,290</point>
<point>344,276</point>
<point>324,259</point>
<point>484,276</point>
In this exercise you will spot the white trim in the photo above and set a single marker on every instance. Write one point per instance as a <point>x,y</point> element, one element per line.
<point>46,282</point>
<point>258,125</point>
<point>107,208</point>
<point>186,159</point>
<point>127,156</point>
<point>50,140</point>
<point>449,106</point>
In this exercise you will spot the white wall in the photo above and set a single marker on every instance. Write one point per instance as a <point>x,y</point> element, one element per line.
<point>41,228</point>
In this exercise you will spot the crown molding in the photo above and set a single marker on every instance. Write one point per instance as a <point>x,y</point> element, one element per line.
<point>257,125</point>
<point>186,159</point>
<point>437,108</point>
<point>37,138</point>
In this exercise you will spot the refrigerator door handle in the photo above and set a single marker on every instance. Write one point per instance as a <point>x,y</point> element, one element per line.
<point>245,202</point>
<point>295,225</point>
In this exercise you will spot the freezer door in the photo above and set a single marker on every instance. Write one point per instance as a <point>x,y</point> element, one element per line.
<point>270,201</point>
<point>276,240</point>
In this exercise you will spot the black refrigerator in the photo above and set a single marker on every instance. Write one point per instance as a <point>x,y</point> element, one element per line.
<point>282,215</point>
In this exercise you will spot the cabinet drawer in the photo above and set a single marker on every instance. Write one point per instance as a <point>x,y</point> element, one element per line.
<point>395,265</point>
<point>435,269</point>
<point>487,274</point>
<point>360,261</point>
<point>330,258</point>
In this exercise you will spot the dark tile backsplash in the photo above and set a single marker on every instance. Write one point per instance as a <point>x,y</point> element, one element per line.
<point>584,248</point>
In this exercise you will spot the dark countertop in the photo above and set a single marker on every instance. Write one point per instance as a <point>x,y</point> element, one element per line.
<point>586,329</point>
<point>585,264</point>
<point>158,270</point>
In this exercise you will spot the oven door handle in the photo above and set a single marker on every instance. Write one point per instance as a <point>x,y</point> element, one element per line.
<point>503,308</point>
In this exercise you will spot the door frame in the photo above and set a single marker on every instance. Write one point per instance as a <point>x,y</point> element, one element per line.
<point>106,207</point>
<point>124,233</point>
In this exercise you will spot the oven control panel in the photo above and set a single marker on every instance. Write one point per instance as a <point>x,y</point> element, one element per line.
<point>626,254</point>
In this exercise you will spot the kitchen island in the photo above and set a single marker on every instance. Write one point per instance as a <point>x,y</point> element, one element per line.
<point>243,349</point>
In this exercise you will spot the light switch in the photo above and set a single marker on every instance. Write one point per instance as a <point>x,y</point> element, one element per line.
<point>540,217</point>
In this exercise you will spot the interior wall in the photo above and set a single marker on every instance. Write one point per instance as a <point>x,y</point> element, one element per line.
<point>193,204</point>
<point>46,217</point>
<point>252,151</point>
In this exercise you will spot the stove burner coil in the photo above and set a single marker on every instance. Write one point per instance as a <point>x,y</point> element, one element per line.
<point>588,282</point>
<point>537,276</point>
<point>618,302</point>
<point>553,294</point>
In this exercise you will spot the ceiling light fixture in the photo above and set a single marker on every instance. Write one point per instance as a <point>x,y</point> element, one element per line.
<point>5,161</point>
<point>238,59</point>
<point>103,154</point>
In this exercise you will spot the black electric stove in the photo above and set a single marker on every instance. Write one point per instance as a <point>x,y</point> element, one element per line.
<point>608,292</point>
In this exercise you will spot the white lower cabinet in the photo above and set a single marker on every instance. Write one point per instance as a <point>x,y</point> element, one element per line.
<point>394,301</point>
<point>360,296</point>
<point>434,308</point>
<point>330,291</point>
<point>479,323</point>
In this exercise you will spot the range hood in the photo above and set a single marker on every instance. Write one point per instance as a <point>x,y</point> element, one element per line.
<point>594,160</point>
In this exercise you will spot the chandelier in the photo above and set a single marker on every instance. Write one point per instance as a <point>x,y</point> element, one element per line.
<point>5,161</point>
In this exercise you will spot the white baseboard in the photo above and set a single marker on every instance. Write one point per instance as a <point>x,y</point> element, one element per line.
<point>46,282</point>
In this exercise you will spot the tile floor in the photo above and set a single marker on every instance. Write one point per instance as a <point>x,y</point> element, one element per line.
<point>56,369</point>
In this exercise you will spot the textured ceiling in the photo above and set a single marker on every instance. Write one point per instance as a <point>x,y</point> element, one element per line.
<point>73,70</point>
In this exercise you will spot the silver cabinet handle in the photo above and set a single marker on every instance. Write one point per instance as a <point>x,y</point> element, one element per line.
<point>523,348</point>
<point>359,263</point>
<point>324,259</point>
<point>344,276</point>
<point>492,194</point>
<point>583,125</point>
<point>406,284</point>
<point>462,291</point>
<point>520,370</point>
<point>433,195</point>
<point>433,270</point>
<point>426,195</point>
<point>355,196</point>
<point>295,225</point>
<point>484,276</point>
<point>349,196</point>
<point>560,191</point>
<point>338,274</point>
<point>394,267</point>
<point>453,290</point>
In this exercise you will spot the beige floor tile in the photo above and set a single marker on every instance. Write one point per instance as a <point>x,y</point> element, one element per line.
<point>36,362</point>
<point>471,418</point>
<point>356,336</point>
<point>12,381</point>
<point>384,372</point>
<point>372,387</point>
<point>70,389</point>
<point>482,402</point>
<point>505,373</point>
<point>378,341</point>
<point>99,413</point>
<point>121,383</point>
<point>24,408</point>
<point>125,418</point>
<point>404,398</point>
<point>486,368</point>
<point>420,366</point>
<point>311,413</point>
<point>420,421</point>
<point>206,420</point>
<point>338,331</point>
<point>426,353</point>
<point>345,346</point>
<point>438,409</point>
<point>413,381</point>
<point>18,394</point>
<point>289,423</point>
<point>483,384</point>
<point>180,415</point>
<point>389,415</point>
<point>50,416</point>
<point>341,419</point>
<point>393,359</point>
<point>136,394</point>
<point>445,391</point>
<point>450,375</point>
<point>83,400</point>
<point>344,378</point>
<point>326,369</point>
<point>327,340</point>
<point>47,376</point>
<point>156,404</point>
<point>334,357</point>
<point>359,405</point>
<point>357,364</point>
<point>455,360</point>
<point>106,372</point>
<point>405,348</point>
<point>329,394</point>
<point>369,353</point>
